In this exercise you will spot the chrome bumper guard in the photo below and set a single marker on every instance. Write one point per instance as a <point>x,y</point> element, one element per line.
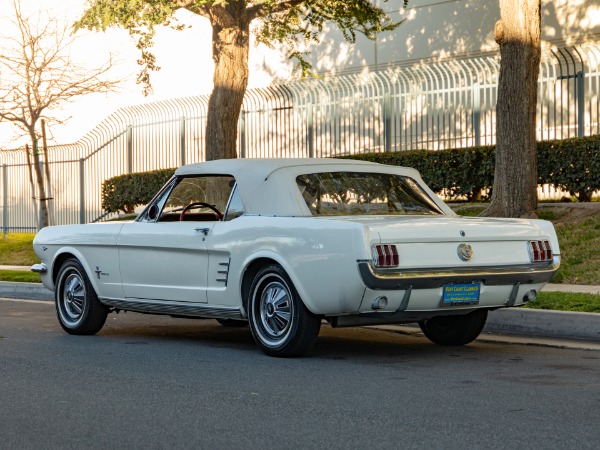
<point>435,278</point>
<point>39,268</point>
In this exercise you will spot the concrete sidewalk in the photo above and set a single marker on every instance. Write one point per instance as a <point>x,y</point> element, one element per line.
<point>23,268</point>
<point>511,321</point>
<point>576,288</point>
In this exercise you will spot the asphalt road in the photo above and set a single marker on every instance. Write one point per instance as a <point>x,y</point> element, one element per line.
<point>157,382</point>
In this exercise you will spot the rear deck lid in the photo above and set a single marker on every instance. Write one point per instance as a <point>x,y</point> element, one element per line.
<point>441,241</point>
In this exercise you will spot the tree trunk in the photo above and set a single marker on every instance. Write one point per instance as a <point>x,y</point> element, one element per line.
<point>515,180</point>
<point>231,44</point>
<point>39,178</point>
<point>32,186</point>
<point>50,200</point>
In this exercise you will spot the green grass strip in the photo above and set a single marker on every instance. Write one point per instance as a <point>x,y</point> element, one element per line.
<point>19,276</point>
<point>16,250</point>
<point>566,301</point>
<point>580,258</point>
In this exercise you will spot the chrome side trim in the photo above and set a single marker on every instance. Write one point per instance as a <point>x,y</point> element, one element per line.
<point>225,271</point>
<point>174,308</point>
<point>39,268</point>
<point>434,278</point>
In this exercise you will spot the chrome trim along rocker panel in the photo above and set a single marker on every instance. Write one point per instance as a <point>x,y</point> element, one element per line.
<point>174,308</point>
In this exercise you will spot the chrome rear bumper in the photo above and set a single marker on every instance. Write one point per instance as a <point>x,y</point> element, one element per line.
<point>434,278</point>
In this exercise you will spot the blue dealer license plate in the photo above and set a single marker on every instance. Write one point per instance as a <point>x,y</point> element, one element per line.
<point>460,294</point>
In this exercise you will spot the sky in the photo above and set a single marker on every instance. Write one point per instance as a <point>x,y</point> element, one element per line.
<point>184,57</point>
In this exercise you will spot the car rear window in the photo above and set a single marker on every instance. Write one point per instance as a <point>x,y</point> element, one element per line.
<point>364,193</point>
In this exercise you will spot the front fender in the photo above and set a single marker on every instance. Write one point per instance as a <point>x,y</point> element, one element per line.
<point>100,264</point>
<point>94,245</point>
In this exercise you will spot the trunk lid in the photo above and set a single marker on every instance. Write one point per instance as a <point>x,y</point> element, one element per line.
<point>433,241</point>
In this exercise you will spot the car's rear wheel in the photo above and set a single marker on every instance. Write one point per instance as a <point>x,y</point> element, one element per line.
<point>77,306</point>
<point>281,325</point>
<point>454,330</point>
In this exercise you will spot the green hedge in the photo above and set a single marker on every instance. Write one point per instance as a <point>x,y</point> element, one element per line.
<point>572,165</point>
<point>125,192</point>
<point>461,171</point>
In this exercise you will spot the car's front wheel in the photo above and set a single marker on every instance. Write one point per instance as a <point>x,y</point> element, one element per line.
<point>454,330</point>
<point>77,306</point>
<point>281,325</point>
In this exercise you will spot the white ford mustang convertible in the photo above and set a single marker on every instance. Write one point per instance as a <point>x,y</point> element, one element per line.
<point>285,244</point>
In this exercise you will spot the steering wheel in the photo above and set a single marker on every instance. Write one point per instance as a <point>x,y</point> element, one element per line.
<point>204,205</point>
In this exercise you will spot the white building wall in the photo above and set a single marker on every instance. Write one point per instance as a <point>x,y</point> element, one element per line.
<point>443,29</point>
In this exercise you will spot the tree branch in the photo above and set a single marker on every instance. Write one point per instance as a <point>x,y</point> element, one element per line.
<point>260,9</point>
<point>38,74</point>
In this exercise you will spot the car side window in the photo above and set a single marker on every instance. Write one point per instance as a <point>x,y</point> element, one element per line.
<point>198,198</point>
<point>152,210</point>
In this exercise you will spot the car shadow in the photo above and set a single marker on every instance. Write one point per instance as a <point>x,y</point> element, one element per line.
<point>358,343</point>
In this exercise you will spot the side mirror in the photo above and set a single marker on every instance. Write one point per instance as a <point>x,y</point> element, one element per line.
<point>153,212</point>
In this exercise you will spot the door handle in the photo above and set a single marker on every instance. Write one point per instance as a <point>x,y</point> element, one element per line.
<point>202,230</point>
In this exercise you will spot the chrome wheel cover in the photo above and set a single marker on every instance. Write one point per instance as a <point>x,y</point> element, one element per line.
<point>72,298</point>
<point>274,310</point>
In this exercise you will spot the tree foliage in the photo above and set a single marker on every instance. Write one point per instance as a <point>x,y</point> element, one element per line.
<point>38,76</point>
<point>287,22</point>
<point>280,22</point>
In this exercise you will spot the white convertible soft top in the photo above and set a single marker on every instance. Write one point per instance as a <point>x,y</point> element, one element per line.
<point>262,167</point>
<point>268,186</point>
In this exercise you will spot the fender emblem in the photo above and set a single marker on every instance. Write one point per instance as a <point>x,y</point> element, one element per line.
<point>99,272</point>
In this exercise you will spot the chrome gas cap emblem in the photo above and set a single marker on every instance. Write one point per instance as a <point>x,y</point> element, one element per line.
<point>465,252</point>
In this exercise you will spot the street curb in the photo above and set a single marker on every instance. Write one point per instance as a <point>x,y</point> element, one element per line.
<point>545,323</point>
<point>518,321</point>
<point>35,291</point>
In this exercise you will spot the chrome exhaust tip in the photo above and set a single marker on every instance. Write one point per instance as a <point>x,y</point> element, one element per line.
<point>379,303</point>
<point>530,296</point>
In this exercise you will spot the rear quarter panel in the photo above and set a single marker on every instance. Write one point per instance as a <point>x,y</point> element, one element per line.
<point>319,256</point>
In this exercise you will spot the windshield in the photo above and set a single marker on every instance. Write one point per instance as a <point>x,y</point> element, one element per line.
<point>212,190</point>
<point>361,193</point>
<point>194,198</point>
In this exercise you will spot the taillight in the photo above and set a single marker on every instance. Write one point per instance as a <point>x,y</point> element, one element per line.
<point>540,251</point>
<point>385,255</point>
